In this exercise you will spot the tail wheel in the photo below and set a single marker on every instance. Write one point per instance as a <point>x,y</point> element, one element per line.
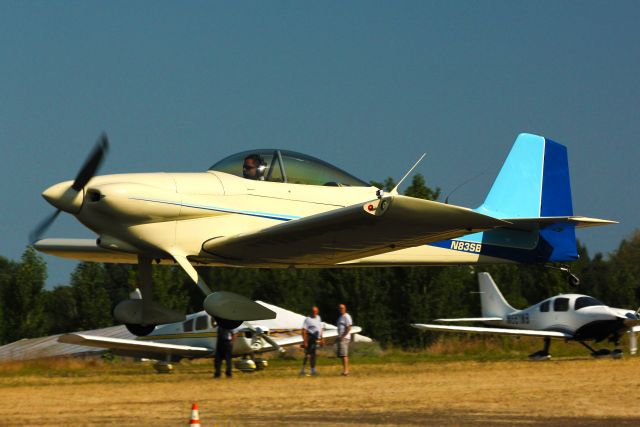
<point>573,280</point>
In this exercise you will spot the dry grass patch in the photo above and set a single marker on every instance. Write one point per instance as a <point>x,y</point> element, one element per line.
<point>398,393</point>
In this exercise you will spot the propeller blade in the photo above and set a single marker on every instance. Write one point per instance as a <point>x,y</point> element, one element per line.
<point>271,341</point>
<point>92,163</point>
<point>265,337</point>
<point>41,228</point>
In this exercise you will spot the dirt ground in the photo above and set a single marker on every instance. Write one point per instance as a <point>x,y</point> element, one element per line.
<point>558,392</point>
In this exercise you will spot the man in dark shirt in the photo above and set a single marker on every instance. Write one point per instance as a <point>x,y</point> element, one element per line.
<point>224,350</point>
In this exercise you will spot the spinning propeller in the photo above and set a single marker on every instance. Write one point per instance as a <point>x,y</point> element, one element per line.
<point>68,197</point>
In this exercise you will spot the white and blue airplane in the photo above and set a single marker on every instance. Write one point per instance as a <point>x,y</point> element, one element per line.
<point>569,317</point>
<point>272,208</point>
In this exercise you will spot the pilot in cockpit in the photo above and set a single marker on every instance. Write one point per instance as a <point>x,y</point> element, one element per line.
<point>254,167</point>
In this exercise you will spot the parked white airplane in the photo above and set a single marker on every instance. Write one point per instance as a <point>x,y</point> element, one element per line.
<point>196,338</point>
<point>570,317</point>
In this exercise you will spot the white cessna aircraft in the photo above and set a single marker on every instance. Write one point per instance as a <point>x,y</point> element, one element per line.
<point>570,317</point>
<point>280,209</point>
<point>196,338</point>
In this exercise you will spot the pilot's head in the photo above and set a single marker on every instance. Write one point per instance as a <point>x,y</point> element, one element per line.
<point>342,308</point>
<point>253,167</point>
<point>314,311</point>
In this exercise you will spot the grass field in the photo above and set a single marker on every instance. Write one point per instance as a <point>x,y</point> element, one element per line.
<point>394,389</point>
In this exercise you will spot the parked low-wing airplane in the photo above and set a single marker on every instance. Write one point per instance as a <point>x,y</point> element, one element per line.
<point>196,338</point>
<point>280,209</point>
<point>570,317</point>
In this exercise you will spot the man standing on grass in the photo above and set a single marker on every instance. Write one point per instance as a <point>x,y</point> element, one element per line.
<point>311,335</point>
<point>224,350</point>
<point>344,329</point>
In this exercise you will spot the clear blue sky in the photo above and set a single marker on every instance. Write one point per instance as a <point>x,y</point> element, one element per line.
<point>365,85</point>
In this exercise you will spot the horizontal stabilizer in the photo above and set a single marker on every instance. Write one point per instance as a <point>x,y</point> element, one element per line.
<point>530,224</point>
<point>493,331</point>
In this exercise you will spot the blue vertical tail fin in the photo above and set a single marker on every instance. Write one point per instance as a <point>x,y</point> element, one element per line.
<point>534,183</point>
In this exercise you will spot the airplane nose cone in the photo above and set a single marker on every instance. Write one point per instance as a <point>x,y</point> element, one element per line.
<point>63,197</point>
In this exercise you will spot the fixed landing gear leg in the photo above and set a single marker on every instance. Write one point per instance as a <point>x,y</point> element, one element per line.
<point>141,316</point>
<point>229,309</point>
<point>594,352</point>
<point>145,282</point>
<point>544,353</point>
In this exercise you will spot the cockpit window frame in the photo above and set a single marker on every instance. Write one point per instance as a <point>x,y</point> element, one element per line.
<point>310,170</point>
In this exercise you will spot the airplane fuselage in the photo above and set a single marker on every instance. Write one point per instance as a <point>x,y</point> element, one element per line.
<point>147,213</point>
<point>199,331</point>
<point>594,321</point>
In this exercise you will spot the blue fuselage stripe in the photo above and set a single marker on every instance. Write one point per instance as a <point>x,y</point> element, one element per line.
<point>267,215</point>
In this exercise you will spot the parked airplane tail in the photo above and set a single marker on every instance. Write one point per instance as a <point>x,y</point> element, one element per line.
<point>494,305</point>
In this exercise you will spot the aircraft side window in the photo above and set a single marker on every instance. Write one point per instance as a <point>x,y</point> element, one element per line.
<point>544,307</point>
<point>561,304</point>
<point>202,322</point>
<point>583,302</point>
<point>188,325</point>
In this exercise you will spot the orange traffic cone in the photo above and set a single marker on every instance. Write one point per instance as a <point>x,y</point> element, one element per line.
<point>195,415</point>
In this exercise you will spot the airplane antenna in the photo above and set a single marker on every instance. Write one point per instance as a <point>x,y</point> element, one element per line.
<point>446,199</point>
<point>395,189</point>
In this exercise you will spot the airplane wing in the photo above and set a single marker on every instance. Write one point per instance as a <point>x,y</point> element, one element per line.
<point>497,331</point>
<point>329,335</point>
<point>83,250</point>
<point>378,226</point>
<point>134,347</point>
<point>471,319</point>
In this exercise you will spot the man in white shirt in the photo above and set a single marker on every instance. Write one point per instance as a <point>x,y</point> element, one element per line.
<point>311,334</point>
<point>344,337</point>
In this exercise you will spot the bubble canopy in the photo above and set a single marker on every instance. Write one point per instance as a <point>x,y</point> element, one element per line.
<point>288,166</point>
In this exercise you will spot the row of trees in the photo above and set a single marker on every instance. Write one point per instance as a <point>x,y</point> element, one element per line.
<point>384,301</point>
